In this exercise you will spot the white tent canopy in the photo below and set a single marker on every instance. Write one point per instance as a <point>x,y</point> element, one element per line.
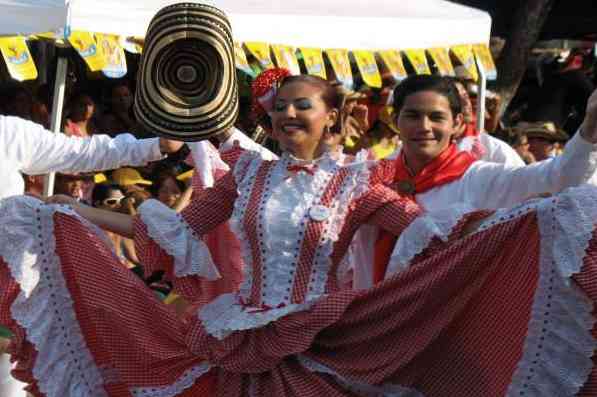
<point>351,24</point>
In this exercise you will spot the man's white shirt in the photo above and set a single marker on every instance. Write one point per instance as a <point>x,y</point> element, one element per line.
<point>28,148</point>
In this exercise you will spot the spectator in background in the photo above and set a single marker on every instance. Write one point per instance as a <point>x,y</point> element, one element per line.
<point>491,149</point>
<point>109,197</point>
<point>80,121</point>
<point>384,139</point>
<point>171,191</point>
<point>20,103</point>
<point>40,112</point>
<point>121,117</point>
<point>71,185</point>
<point>520,143</point>
<point>543,138</point>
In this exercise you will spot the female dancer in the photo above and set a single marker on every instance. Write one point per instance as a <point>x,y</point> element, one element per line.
<point>85,327</point>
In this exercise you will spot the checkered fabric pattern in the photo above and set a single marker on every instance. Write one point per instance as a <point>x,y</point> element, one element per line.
<point>453,324</point>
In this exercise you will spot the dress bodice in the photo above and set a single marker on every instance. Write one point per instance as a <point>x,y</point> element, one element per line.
<point>297,210</point>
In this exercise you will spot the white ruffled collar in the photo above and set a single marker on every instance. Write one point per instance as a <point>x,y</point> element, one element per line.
<point>327,158</point>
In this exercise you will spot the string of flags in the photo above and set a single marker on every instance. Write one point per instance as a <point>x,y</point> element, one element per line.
<point>106,54</point>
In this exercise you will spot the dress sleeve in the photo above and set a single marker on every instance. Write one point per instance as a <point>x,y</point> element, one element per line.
<point>381,206</point>
<point>391,212</point>
<point>495,186</point>
<point>173,242</point>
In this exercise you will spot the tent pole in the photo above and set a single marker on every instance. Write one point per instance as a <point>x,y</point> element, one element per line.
<point>482,95</point>
<point>57,106</point>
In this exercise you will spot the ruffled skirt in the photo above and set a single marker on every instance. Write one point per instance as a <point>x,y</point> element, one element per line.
<point>507,310</point>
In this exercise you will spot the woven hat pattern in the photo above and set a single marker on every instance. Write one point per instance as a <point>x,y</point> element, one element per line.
<point>187,80</point>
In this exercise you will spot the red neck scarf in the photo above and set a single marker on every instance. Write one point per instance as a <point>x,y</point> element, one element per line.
<point>449,166</point>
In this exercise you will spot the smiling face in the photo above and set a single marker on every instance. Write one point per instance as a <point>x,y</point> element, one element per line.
<point>426,127</point>
<point>301,119</point>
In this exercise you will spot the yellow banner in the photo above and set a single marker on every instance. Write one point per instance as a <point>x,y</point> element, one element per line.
<point>465,55</point>
<point>19,61</point>
<point>441,57</point>
<point>286,58</point>
<point>418,60</point>
<point>261,52</point>
<point>368,68</point>
<point>341,65</point>
<point>240,58</point>
<point>313,58</point>
<point>484,56</point>
<point>393,61</point>
<point>114,53</point>
<point>86,46</point>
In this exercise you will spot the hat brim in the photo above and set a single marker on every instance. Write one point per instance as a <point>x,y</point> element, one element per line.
<point>557,136</point>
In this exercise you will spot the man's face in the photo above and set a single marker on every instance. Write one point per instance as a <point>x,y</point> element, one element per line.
<point>541,148</point>
<point>122,98</point>
<point>426,126</point>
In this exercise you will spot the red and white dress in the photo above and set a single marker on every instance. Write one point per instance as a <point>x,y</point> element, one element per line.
<point>473,316</point>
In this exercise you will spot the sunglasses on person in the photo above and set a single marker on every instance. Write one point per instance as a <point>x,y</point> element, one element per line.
<point>112,201</point>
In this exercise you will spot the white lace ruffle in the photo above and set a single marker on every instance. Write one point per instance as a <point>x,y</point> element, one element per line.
<point>353,187</point>
<point>245,173</point>
<point>557,354</point>
<point>225,315</point>
<point>360,389</point>
<point>44,308</point>
<point>170,231</point>
<point>187,380</point>
<point>418,235</point>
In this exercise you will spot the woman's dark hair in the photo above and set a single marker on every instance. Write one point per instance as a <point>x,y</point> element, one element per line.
<point>102,192</point>
<point>162,176</point>
<point>329,93</point>
<point>79,102</point>
<point>418,83</point>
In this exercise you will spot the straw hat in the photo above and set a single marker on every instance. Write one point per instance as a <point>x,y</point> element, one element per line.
<point>542,129</point>
<point>187,86</point>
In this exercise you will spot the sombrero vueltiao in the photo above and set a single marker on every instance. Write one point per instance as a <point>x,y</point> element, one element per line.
<point>187,86</point>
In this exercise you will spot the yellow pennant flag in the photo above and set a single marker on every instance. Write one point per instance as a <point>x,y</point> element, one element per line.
<point>393,61</point>
<point>341,65</point>
<point>418,60</point>
<point>313,58</point>
<point>465,55</point>
<point>114,53</point>
<point>86,46</point>
<point>261,52</point>
<point>240,58</point>
<point>368,68</point>
<point>19,61</point>
<point>286,58</point>
<point>441,57</point>
<point>483,54</point>
<point>131,44</point>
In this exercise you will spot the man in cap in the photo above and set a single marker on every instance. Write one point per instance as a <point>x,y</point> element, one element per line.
<point>543,138</point>
<point>129,179</point>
